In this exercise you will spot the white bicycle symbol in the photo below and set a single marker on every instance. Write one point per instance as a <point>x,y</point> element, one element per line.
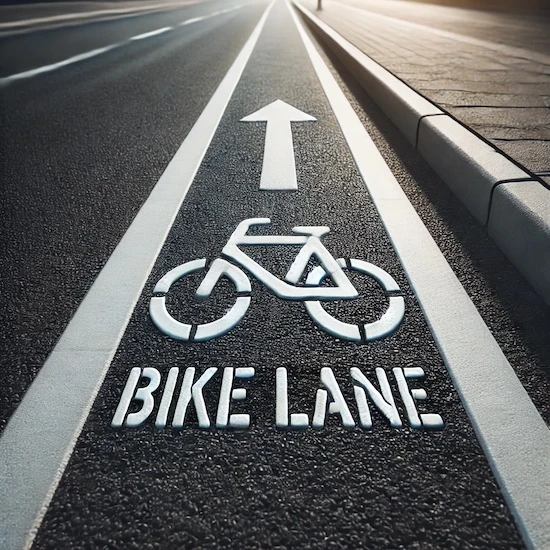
<point>309,237</point>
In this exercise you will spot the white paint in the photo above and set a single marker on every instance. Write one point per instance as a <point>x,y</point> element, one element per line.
<point>162,414</point>
<point>278,169</point>
<point>145,394</point>
<point>432,421</point>
<point>309,238</point>
<point>98,51</point>
<point>218,269</point>
<point>113,13</point>
<point>418,394</point>
<point>151,33</point>
<point>244,372</point>
<point>320,410</point>
<point>157,306</point>
<point>238,394</point>
<point>226,323</point>
<point>202,18</point>
<point>126,398</point>
<point>297,420</point>
<point>508,425</point>
<point>383,400</point>
<point>407,398</point>
<point>365,419</point>
<point>413,372</point>
<point>224,419</point>
<point>281,398</point>
<point>386,325</point>
<point>58,65</point>
<point>192,20</point>
<point>239,421</point>
<point>39,439</point>
<point>166,323</point>
<point>190,391</point>
<point>337,406</point>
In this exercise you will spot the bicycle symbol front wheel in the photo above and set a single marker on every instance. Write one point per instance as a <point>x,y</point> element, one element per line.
<point>207,331</point>
<point>384,326</point>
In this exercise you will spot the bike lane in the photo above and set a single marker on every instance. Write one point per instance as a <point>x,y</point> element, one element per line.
<point>336,481</point>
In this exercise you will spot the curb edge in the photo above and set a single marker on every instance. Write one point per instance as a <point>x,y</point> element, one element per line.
<point>469,165</point>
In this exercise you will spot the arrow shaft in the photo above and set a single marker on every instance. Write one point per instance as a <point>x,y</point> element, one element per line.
<point>278,169</point>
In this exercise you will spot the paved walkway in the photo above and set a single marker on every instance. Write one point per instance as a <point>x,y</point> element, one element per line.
<point>489,70</point>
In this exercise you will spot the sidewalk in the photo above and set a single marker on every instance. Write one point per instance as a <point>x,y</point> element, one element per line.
<point>501,91</point>
<point>470,90</point>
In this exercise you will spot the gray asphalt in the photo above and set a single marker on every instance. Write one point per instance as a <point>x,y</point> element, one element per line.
<point>65,208</point>
<point>81,150</point>
<point>28,50</point>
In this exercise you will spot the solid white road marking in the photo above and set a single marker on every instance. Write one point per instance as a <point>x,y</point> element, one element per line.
<point>40,436</point>
<point>279,169</point>
<point>93,53</point>
<point>512,433</point>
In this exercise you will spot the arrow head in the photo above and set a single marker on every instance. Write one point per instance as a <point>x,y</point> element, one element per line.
<point>278,110</point>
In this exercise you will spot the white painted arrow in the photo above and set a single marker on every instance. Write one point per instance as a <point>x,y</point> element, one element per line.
<point>279,169</point>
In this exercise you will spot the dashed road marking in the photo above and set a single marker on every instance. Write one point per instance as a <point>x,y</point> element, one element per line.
<point>98,51</point>
<point>151,33</point>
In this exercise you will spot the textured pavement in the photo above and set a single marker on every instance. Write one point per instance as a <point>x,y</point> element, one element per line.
<point>83,147</point>
<point>76,166</point>
<point>494,77</point>
<point>263,487</point>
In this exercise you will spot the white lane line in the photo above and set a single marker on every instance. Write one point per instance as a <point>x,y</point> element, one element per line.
<point>151,33</point>
<point>193,20</point>
<point>511,51</point>
<point>58,65</point>
<point>69,17</point>
<point>513,435</point>
<point>214,14</point>
<point>93,53</point>
<point>40,436</point>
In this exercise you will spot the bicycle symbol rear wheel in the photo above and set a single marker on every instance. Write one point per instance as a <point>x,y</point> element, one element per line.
<point>384,326</point>
<point>208,331</point>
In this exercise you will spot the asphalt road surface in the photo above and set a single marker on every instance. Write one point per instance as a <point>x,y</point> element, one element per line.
<point>413,416</point>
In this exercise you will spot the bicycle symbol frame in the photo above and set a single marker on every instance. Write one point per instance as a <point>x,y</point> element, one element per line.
<point>312,293</point>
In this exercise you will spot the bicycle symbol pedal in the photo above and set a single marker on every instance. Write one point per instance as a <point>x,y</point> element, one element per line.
<point>312,294</point>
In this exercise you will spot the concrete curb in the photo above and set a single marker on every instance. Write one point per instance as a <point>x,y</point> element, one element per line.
<point>520,224</point>
<point>501,195</point>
